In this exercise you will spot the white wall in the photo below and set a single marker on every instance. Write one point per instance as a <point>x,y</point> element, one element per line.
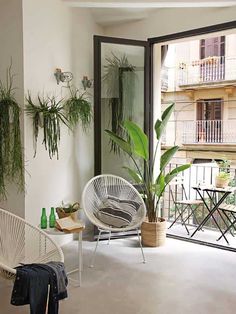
<point>11,39</point>
<point>56,36</point>
<point>169,21</point>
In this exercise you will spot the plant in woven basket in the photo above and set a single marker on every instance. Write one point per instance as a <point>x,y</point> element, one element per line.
<point>11,152</point>
<point>78,109</point>
<point>48,113</point>
<point>153,184</point>
<point>65,210</point>
<point>119,78</point>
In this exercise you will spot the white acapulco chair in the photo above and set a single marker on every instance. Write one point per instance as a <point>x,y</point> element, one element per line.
<point>97,190</point>
<point>23,243</point>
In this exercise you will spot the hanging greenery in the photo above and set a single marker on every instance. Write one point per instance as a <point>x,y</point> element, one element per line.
<point>11,153</point>
<point>78,109</point>
<point>119,78</point>
<point>48,114</point>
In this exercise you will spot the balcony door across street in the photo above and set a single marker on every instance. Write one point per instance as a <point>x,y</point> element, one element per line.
<point>209,121</point>
<point>212,55</point>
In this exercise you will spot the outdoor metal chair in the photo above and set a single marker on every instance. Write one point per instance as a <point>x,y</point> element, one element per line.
<point>23,243</point>
<point>99,189</point>
<point>185,208</point>
<point>229,212</point>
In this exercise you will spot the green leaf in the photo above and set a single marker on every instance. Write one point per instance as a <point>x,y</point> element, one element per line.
<point>166,157</point>
<point>134,175</point>
<point>160,185</point>
<point>160,125</point>
<point>124,145</point>
<point>172,174</point>
<point>139,139</point>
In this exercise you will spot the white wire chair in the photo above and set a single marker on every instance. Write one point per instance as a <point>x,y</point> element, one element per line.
<point>97,190</point>
<point>23,243</point>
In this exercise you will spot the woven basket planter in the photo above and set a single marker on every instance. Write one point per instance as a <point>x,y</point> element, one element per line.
<point>154,233</point>
<point>221,183</point>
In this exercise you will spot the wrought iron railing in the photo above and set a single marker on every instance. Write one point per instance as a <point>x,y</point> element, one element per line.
<point>199,173</point>
<point>209,131</point>
<point>208,70</point>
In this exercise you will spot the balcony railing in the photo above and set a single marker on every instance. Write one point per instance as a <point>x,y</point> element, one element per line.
<point>206,71</point>
<point>209,131</point>
<point>198,173</point>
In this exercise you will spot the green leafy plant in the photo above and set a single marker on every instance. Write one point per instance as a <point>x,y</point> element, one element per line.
<point>119,78</point>
<point>49,114</point>
<point>223,175</point>
<point>138,148</point>
<point>70,207</point>
<point>78,109</point>
<point>11,153</point>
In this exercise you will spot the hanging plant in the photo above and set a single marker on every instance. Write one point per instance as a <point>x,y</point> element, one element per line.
<point>119,78</point>
<point>78,109</point>
<point>11,153</point>
<point>49,115</point>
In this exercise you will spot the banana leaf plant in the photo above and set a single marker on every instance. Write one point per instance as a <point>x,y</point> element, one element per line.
<point>152,184</point>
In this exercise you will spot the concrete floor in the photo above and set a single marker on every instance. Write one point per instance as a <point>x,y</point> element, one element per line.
<point>178,278</point>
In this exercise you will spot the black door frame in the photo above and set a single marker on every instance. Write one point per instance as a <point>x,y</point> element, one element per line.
<point>98,40</point>
<point>148,93</point>
<point>182,35</point>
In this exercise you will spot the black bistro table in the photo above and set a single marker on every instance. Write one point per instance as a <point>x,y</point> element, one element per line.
<point>216,196</point>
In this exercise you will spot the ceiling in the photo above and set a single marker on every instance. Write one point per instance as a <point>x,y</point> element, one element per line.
<point>110,12</point>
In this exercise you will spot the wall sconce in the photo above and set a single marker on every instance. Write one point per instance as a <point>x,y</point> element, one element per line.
<point>86,82</point>
<point>63,76</point>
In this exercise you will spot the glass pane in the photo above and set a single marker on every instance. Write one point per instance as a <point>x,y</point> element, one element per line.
<point>122,98</point>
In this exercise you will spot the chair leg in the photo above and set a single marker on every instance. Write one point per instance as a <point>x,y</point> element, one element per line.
<point>141,247</point>
<point>95,250</point>
<point>108,242</point>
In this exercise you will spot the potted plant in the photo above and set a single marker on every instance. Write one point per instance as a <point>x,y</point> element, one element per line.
<point>48,113</point>
<point>153,184</point>
<point>222,179</point>
<point>11,151</point>
<point>119,78</point>
<point>66,210</point>
<point>78,109</point>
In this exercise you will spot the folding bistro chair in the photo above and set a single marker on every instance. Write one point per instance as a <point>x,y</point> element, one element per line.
<point>229,212</point>
<point>185,208</point>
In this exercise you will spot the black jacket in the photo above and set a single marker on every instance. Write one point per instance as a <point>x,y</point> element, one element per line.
<point>31,287</point>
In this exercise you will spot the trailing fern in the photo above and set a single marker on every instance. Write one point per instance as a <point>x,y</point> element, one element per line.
<point>49,114</point>
<point>119,78</point>
<point>78,109</point>
<point>11,153</point>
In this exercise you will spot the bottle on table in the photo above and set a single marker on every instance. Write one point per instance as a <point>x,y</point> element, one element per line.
<point>44,221</point>
<point>52,218</point>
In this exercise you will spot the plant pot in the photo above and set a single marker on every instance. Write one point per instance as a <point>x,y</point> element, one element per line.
<point>221,183</point>
<point>154,233</point>
<point>62,214</point>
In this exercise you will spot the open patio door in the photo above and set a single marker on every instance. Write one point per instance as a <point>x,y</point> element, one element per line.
<point>121,92</point>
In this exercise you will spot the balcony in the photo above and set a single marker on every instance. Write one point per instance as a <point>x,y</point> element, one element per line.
<point>198,173</point>
<point>209,132</point>
<point>208,71</point>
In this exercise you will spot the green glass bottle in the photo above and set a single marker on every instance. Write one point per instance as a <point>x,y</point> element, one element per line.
<point>44,222</point>
<point>52,218</point>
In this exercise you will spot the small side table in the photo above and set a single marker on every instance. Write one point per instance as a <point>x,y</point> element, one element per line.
<point>79,231</point>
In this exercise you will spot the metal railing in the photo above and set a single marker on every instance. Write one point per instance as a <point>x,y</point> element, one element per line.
<point>209,131</point>
<point>199,173</point>
<point>208,70</point>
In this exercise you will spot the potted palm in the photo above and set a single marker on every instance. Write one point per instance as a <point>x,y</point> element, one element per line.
<point>153,184</point>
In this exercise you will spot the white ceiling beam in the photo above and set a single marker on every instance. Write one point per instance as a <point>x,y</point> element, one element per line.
<point>151,4</point>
